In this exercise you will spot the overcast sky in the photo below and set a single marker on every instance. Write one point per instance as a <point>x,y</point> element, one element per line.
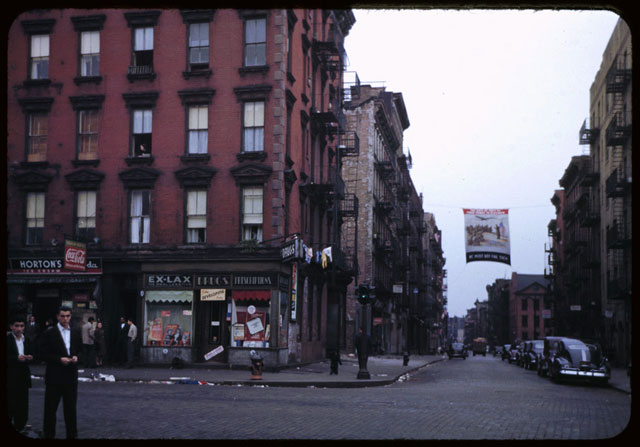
<point>495,100</point>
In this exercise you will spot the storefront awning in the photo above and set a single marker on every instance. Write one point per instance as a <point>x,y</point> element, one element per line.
<point>170,296</point>
<point>245,295</point>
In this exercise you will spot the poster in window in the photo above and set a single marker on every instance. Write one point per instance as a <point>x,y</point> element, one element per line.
<point>255,325</point>
<point>169,334</point>
<point>155,334</point>
<point>238,331</point>
<point>186,338</point>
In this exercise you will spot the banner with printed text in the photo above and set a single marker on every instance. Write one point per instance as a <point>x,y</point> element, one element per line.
<point>487,235</point>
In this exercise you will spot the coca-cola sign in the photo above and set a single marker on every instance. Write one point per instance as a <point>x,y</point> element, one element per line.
<point>75,256</point>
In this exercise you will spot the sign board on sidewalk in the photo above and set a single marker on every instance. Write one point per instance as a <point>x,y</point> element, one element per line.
<point>209,355</point>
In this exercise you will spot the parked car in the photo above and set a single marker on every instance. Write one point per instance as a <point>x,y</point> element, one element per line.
<point>457,350</point>
<point>505,352</point>
<point>514,353</point>
<point>574,359</point>
<point>498,350</point>
<point>531,353</point>
<point>548,351</point>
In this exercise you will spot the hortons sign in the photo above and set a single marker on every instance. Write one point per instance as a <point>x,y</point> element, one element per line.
<point>75,255</point>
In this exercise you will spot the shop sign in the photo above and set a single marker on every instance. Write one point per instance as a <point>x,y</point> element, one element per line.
<point>169,281</point>
<point>546,313</point>
<point>255,280</point>
<point>50,265</point>
<point>75,255</point>
<point>209,355</point>
<point>212,294</point>
<point>397,288</point>
<point>294,290</point>
<point>575,307</point>
<point>291,250</point>
<point>223,280</point>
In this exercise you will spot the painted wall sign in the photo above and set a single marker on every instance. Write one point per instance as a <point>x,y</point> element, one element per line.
<point>163,281</point>
<point>216,280</point>
<point>51,265</point>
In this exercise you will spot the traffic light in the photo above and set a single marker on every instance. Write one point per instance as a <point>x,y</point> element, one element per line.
<point>363,293</point>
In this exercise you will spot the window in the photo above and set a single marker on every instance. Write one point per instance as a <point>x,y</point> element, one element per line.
<point>524,304</point>
<point>199,46</point>
<point>253,127</point>
<point>198,129</point>
<point>140,217</point>
<point>37,136</point>
<point>90,53</point>
<point>86,215</point>
<point>525,321</point>
<point>143,51</point>
<point>141,141</point>
<point>40,56</point>
<point>169,318</point>
<point>35,218</point>
<point>196,217</point>
<point>252,213</point>
<point>255,42</point>
<point>87,134</point>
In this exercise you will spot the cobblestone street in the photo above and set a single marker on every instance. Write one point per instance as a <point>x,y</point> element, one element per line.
<point>476,398</point>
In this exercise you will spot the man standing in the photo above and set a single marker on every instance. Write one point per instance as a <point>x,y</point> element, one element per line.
<point>59,348</point>
<point>121,342</point>
<point>19,355</point>
<point>131,343</point>
<point>88,346</point>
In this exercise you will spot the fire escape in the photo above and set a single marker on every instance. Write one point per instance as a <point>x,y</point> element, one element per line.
<point>618,183</point>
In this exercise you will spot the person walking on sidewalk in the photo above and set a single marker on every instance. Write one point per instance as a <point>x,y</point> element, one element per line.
<point>59,348</point>
<point>131,343</point>
<point>19,355</point>
<point>88,344</point>
<point>334,356</point>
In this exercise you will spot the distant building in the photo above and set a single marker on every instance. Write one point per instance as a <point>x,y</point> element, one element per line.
<point>529,311</point>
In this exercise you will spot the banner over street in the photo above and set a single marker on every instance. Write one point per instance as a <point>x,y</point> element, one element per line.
<point>487,235</point>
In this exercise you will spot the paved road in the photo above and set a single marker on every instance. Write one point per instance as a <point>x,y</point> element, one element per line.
<point>476,398</point>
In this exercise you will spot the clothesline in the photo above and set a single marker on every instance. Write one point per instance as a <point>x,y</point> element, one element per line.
<point>426,205</point>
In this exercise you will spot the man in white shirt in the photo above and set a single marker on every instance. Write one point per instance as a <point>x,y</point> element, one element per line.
<point>131,342</point>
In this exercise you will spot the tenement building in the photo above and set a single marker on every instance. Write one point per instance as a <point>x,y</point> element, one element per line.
<point>181,168</point>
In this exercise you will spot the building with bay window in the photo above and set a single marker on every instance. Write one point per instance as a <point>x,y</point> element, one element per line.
<point>195,155</point>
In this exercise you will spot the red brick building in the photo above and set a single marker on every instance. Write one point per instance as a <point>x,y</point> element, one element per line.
<point>195,153</point>
<point>529,312</point>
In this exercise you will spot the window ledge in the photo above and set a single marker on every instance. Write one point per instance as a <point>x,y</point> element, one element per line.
<point>131,161</point>
<point>79,80</point>
<point>256,69</point>
<point>193,158</point>
<point>36,83</point>
<point>197,74</point>
<point>259,156</point>
<point>34,164</point>
<point>77,163</point>
<point>132,77</point>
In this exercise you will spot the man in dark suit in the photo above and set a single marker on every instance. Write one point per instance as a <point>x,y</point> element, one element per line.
<point>19,355</point>
<point>59,348</point>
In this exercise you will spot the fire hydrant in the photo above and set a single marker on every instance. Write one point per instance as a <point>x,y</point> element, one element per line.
<point>405,358</point>
<point>256,365</point>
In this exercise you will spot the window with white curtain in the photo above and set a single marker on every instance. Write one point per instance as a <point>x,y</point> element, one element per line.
<point>143,49</point>
<point>40,56</point>
<point>253,127</point>
<point>35,218</point>
<point>86,215</point>
<point>255,42</point>
<point>140,217</point>
<point>198,129</point>
<point>196,216</point>
<point>252,217</point>
<point>199,45</point>
<point>142,127</point>
<point>90,53</point>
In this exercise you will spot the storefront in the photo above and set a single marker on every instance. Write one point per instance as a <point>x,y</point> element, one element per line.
<point>38,286</point>
<point>214,317</point>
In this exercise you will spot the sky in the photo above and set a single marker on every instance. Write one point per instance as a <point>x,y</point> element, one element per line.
<point>495,101</point>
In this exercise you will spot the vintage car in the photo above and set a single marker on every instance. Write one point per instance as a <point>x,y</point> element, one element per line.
<point>573,359</point>
<point>505,352</point>
<point>531,353</point>
<point>514,353</point>
<point>549,349</point>
<point>457,350</point>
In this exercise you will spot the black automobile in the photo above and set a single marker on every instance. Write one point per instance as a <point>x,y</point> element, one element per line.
<point>574,359</point>
<point>457,350</point>
<point>505,352</point>
<point>514,353</point>
<point>548,351</point>
<point>531,353</point>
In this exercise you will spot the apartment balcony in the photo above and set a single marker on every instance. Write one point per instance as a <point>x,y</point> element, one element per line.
<point>349,145</point>
<point>619,76</point>
<point>588,135</point>
<point>588,215</point>
<point>330,188</point>
<point>349,206</point>
<point>617,235</point>
<point>385,167</point>
<point>619,129</point>
<point>617,184</point>
<point>383,206</point>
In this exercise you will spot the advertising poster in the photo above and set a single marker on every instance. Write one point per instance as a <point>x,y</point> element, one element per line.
<point>487,235</point>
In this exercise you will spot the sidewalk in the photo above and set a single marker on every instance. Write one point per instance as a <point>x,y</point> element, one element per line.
<point>384,370</point>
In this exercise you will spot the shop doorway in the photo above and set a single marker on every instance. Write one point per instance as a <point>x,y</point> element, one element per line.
<point>213,330</point>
